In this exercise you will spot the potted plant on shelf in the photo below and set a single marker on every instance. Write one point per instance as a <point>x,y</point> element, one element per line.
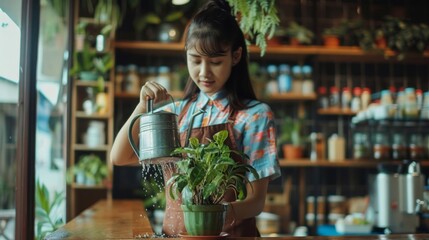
<point>102,65</point>
<point>89,170</point>
<point>291,138</point>
<point>204,175</point>
<point>332,36</point>
<point>298,34</point>
<point>163,24</point>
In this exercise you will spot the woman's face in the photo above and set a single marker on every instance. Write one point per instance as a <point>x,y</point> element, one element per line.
<point>210,73</point>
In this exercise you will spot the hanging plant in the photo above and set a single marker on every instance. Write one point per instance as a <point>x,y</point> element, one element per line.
<point>258,20</point>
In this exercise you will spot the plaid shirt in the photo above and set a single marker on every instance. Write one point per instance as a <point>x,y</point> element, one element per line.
<point>254,128</point>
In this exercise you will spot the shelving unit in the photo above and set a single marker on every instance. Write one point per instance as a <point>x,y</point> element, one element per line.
<point>317,55</point>
<point>83,196</point>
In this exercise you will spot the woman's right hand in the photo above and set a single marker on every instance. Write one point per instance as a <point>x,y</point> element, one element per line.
<point>154,91</point>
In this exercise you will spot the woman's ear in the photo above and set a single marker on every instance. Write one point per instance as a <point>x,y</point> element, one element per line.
<point>236,56</point>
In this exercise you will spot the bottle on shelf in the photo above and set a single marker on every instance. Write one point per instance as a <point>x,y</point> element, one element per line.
<point>365,98</point>
<point>307,82</point>
<point>355,104</point>
<point>132,80</point>
<point>400,103</point>
<point>151,74</point>
<point>424,113</point>
<point>399,147</point>
<point>119,78</point>
<point>419,98</point>
<point>360,145</point>
<point>416,147</point>
<point>88,104</point>
<point>163,77</point>
<point>297,79</point>
<point>386,102</point>
<point>346,98</point>
<point>142,71</point>
<point>336,148</point>
<point>410,104</point>
<point>284,79</point>
<point>381,148</point>
<point>323,98</point>
<point>272,84</point>
<point>334,97</point>
<point>95,135</point>
<point>317,146</point>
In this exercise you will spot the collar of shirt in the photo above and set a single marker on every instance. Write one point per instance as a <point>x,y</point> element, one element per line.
<point>218,99</point>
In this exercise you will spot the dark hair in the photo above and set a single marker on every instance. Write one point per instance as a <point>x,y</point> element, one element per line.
<point>215,29</point>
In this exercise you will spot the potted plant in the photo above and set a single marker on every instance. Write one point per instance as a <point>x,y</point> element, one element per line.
<point>332,36</point>
<point>258,20</point>
<point>298,34</point>
<point>102,65</point>
<point>89,170</point>
<point>291,138</point>
<point>166,21</point>
<point>80,35</point>
<point>204,175</point>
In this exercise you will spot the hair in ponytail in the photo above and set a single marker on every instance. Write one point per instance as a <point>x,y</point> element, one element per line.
<point>215,30</point>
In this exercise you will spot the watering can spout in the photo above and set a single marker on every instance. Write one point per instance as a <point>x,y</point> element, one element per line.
<point>188,134</point>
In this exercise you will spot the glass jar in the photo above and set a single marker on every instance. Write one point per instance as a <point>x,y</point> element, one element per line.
<point>360,146</point>
<point>381,147</point>
<point>119,78</point>
<point>399,147</point>
<point>410,107</point>
<point>132,80</point>
<point>346,98</point>
<point>307,84</point>
<point>416,147</point>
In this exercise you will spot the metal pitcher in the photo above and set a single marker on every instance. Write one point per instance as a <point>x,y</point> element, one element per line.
<point>158,135</point>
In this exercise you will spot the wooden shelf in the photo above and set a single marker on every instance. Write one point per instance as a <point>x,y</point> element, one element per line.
<point>336,111</point>
<point>348,163</point>
<point>349,53</point>
<point>83,147</point>
<point>83,83</point>
<point>82,186</point>
<point>125,95</point>
<point>290,97</point>
<point>82,114</point>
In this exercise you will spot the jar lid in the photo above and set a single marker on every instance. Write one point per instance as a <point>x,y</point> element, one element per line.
<point>336,198</point>
<point>163,69</point>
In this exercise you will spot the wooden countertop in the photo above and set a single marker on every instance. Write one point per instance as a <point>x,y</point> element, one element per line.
<point>127,219</point>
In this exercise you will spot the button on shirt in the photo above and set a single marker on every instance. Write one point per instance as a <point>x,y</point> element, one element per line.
<point>254,128</point>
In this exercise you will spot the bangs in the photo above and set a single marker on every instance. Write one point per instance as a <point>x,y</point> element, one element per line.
<point>207,43</point>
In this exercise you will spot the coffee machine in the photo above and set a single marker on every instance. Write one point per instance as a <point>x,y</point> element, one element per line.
<point>396,197</point>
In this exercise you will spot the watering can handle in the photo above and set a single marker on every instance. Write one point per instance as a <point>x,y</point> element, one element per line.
<point>149,109</point>
<point>130,135</point>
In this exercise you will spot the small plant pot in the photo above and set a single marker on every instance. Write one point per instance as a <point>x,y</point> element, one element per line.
<point>88,76</point>
<point>331,41</point>
<point>381,43</point>
<point>204,220</point>
<point>292,152</point>
<point>294,42</point>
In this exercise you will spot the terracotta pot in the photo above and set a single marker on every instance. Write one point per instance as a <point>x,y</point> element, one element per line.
<point>331,41</point>
<point>381,42</point>
<point>294,42</point>
<point>274,41</point>
<point>292,152</point>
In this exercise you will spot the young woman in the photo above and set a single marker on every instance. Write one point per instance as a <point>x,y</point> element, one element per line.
<point>219,83</point>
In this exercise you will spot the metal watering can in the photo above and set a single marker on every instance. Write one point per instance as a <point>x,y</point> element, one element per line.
<point>158,135</point>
